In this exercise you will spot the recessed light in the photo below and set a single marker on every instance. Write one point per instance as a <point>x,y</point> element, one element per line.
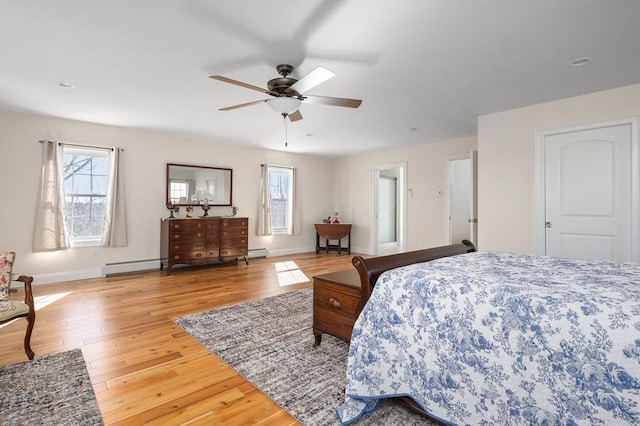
<point>580,62</point>
<point>65,84</point>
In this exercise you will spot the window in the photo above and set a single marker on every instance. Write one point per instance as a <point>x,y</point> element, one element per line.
<point>178,189</point>
<point>280,194</point>
<point>86,177</point>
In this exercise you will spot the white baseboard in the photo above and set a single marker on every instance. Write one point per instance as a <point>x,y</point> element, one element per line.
<point>58,277</point>
<point>258,252</point>
<point>128,267</point>
<point>285,252</point>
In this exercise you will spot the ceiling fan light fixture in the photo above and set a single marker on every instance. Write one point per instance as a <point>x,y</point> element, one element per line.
<point>284,104</point>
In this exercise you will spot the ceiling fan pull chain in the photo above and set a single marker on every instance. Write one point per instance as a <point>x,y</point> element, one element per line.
<point>286,134</point>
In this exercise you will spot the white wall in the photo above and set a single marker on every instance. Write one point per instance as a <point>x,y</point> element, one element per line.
<point>144,166</point>
<point>427,174</point>
<point>506,154</point>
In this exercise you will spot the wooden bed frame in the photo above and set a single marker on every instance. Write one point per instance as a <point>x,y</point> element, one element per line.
<point>370,269</point>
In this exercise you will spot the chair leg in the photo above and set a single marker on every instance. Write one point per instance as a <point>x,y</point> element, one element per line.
<point>31,319</point>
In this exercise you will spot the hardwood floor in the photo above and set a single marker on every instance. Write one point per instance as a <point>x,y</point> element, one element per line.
<point>143,367</point>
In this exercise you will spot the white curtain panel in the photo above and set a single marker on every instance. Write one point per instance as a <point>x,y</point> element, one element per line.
<point>294,228</point>
<point>114,233</point>
<point>49,232</point>
<point>264,211</point>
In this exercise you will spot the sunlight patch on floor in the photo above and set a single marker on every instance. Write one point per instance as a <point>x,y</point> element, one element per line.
<point>289,273</point>
<point>40,302</point>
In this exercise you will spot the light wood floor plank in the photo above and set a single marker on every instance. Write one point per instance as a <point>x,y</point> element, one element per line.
<point>143,367</point>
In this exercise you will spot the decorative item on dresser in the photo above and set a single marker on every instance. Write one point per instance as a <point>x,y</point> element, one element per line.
<point>203,240</point>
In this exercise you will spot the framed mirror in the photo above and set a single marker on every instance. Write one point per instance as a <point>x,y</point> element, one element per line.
<point>198,185</point>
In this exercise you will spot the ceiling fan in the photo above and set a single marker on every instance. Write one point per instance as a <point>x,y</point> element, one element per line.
<point>288,93</point>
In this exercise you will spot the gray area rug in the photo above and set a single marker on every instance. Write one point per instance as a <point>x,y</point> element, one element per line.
<point>270,343</point>
<point>52,390</point>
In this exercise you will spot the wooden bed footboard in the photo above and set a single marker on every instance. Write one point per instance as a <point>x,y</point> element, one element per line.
<point>370,269</point>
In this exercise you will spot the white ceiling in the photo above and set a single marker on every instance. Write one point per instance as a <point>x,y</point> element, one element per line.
<point>431,66</point>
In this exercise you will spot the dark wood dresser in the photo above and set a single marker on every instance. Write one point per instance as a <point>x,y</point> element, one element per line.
<point>234,238</point>
<point>336,296</point>
<point>202,240</point>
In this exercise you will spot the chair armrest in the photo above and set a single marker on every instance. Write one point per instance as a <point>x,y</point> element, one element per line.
<point>28,293</point>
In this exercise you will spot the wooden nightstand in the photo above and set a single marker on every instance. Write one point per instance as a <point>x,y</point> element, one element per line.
<point>335,302</point>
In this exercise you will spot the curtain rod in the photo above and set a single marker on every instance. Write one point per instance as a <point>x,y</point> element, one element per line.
<point>82,146</point>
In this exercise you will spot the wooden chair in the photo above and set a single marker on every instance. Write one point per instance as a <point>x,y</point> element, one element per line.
<point>11,309</point>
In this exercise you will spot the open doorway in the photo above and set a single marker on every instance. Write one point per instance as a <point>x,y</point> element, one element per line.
<point>389,208</point>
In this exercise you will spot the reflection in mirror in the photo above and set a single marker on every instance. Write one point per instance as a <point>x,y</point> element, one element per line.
<point>198,185</point>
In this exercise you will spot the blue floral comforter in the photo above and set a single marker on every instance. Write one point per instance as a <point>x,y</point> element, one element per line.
<point>501,339</point>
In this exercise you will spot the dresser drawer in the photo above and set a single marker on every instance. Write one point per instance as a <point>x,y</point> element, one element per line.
<point>212,234</point>
<point>212,224</point>
<point>233,232</point>
<point>186,246</point>
<point>233,243</point>
<point>233,252</point>
<point>335,302</point>
<point>178,257</point>
<point>186,225</point>
<point>230,222</point>
<point>186,236</point>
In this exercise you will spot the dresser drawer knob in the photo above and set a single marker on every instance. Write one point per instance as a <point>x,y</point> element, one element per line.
<point>334,303</point>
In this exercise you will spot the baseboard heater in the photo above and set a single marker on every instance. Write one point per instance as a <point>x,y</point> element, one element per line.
<point>118,268</point>
<point>259,252</point>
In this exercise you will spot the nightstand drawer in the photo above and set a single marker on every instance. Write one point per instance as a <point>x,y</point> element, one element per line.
<point>335,303</point>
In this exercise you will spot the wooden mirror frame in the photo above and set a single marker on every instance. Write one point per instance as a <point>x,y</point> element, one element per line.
<point>175,170</point>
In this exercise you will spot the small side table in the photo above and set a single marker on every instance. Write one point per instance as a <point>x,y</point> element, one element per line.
<point>333,231</point>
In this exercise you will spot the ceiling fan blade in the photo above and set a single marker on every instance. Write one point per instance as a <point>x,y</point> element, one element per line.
<point>311,80</point>
<point>326,100</point>
<point>239,83</point>
<point>295,116</point>
<point>229,108</point>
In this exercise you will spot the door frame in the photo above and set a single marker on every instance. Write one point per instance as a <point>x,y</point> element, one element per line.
<point>540,200</point>
<point>401,208</point>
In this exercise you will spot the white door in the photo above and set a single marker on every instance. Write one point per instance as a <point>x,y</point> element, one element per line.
<point>387,211</point>
<point>588,194</point>
<point>462,194</point>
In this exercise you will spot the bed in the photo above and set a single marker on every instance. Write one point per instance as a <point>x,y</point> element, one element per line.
<point>497,338</point>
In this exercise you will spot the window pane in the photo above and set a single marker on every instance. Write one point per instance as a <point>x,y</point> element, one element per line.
<point>81,184</point>
<point>98,207</point>
<point>80,227</point>
<point>101,166</point>
<point>279,190</point>
<point>96,227</point>
<point>85,187</point>
<point>80,206</point>
<point>99,185</point>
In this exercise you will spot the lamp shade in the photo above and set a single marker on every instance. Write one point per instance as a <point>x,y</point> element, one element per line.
<point>284,104</point>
